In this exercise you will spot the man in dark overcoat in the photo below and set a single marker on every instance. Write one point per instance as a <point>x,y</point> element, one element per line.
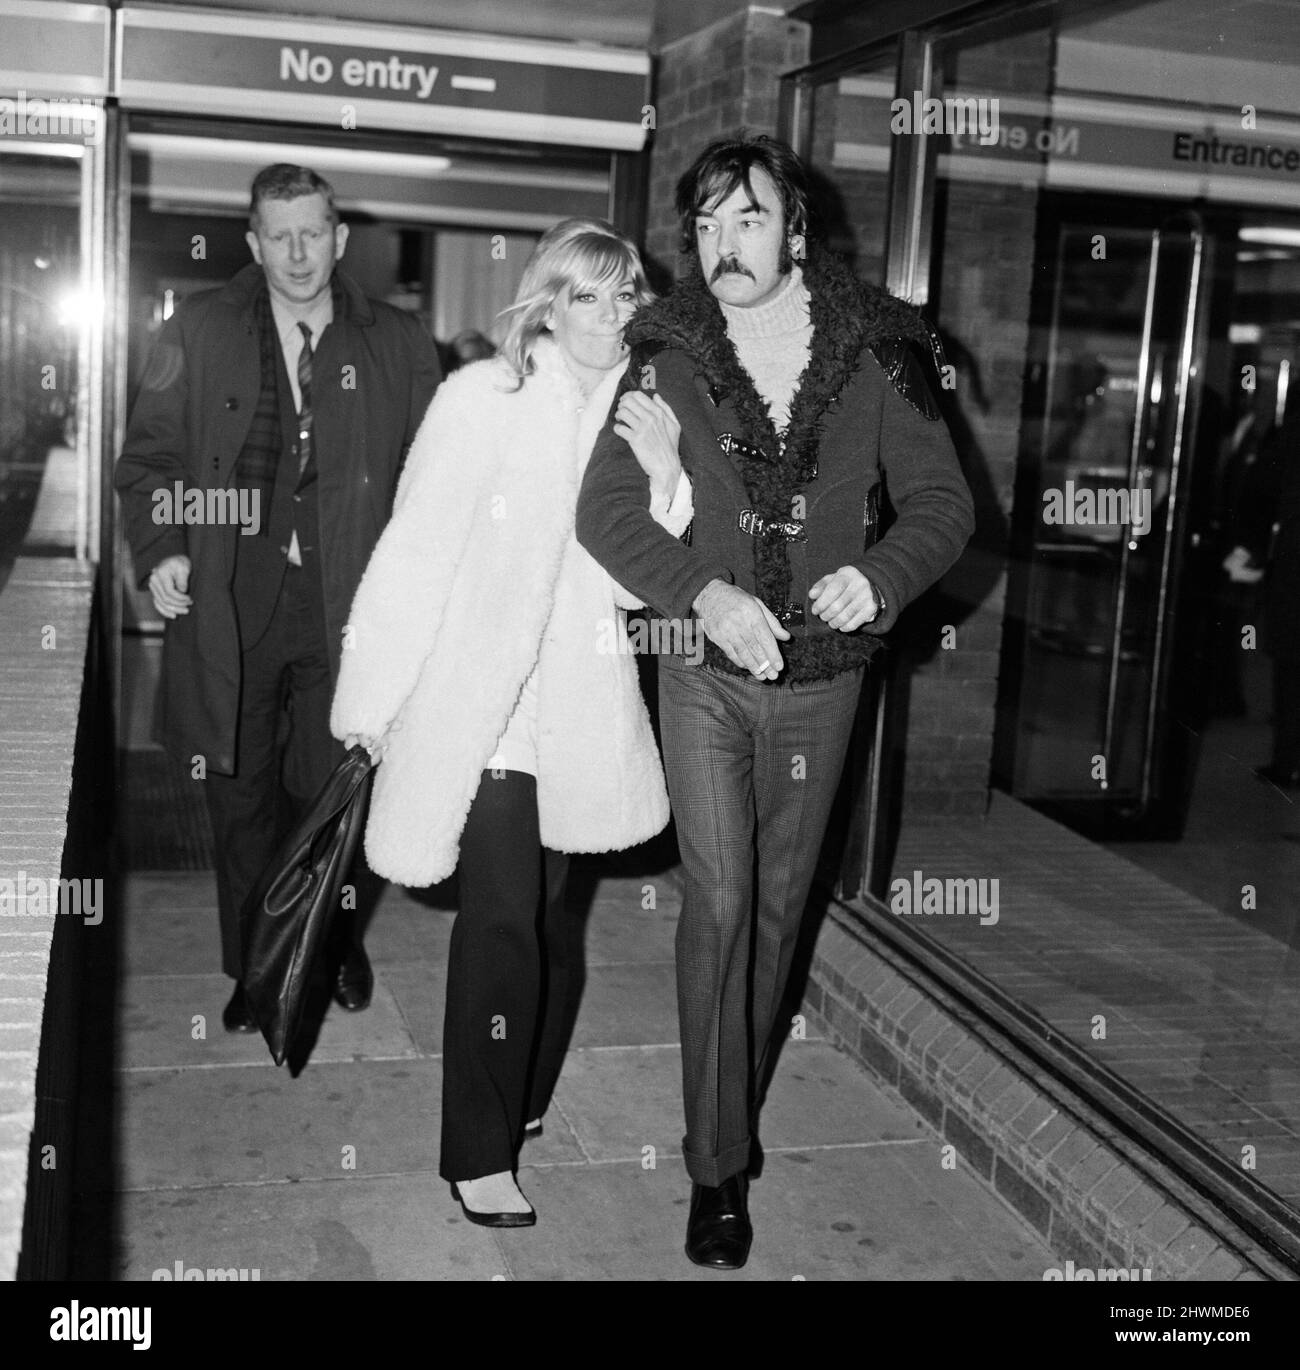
<point>258,471</point>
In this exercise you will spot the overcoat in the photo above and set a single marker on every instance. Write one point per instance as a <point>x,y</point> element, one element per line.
<point>374,371</point>
<point>478,579</point>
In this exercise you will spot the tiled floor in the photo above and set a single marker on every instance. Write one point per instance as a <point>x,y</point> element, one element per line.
<point>1198,999</point>
<point>216,1159</point>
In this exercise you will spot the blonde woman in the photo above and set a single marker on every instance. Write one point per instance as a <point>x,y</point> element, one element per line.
<point>479,671</point>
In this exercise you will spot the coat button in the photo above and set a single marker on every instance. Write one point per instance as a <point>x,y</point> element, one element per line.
<point>232,402</point>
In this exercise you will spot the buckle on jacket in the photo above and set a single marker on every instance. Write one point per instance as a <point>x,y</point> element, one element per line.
<point>730,444</point>
<point>757,527</point>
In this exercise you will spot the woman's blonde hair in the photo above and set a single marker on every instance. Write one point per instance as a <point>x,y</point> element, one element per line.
<point>573,256</point>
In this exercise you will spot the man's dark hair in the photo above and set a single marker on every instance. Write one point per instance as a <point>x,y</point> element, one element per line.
<point>726,164</point>
<point>284,181</point>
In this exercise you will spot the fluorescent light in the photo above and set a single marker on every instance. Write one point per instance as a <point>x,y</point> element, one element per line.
<point>246,152</point>
<point>1276,236</point>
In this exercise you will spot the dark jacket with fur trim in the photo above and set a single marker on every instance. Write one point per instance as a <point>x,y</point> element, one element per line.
<point>851,432</point>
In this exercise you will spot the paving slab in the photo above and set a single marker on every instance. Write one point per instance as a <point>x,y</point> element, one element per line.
<point>169,922</point>
<point>160,1017</point>
<point>402,1227</point>
<point>628,1004</point>
<point>619,1100</point>
<point>222,1161</point>
<point>615,933</point>
<point>819,1096</point>
<point>419,988</point>
<point>870,1212</point>
<point>234,1124</point>
<point>402,930</point>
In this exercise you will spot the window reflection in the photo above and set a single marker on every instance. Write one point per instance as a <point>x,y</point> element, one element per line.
<point>44,312</point>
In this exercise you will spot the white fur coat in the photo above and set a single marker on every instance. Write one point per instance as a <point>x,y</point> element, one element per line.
<point>477,579</point>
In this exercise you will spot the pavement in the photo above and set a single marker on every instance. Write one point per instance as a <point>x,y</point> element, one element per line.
<point>198,1153</point>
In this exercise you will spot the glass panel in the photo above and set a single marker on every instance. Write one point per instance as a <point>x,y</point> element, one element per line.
<point>1114,268</point>
<point>848,150</point>
<point>1089,295</point>
<point>1105,466</point>
<point>45,316</point>
<point>851,148</point>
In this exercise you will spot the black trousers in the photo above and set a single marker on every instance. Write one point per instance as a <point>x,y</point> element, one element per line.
<point>514,979</point>
<point>752,771</point>
<point>284,751</point>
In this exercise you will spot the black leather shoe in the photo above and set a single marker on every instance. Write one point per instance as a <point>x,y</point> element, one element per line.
<point>355,983</point>
<point>718,1232</point>
<point>528,1219</point>
<point>1284,780</point>
<point>237,1016</point>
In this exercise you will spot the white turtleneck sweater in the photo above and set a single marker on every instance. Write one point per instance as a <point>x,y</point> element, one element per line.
<point>773,341</point>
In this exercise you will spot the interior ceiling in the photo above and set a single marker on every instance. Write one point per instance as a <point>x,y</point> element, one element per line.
<point>644,24</point>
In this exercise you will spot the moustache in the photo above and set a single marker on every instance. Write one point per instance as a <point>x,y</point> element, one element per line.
<point>729,266</point>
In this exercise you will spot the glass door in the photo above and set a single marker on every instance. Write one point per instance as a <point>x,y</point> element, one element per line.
<point>51,316</point>
<point>1093,626</point>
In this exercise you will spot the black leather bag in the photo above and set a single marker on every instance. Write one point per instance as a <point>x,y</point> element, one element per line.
<point>289,911</point>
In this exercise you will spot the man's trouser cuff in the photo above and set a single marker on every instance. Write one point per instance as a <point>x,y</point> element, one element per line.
<point>712,1170</point>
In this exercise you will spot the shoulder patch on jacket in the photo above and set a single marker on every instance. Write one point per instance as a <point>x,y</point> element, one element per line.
<point>901,360</point>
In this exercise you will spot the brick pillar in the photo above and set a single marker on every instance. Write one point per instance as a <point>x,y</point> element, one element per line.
<point>709,84</point>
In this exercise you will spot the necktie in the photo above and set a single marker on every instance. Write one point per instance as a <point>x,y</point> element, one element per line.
<point>304,408</point>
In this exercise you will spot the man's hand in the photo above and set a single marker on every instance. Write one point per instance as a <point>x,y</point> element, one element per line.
<point>743,626</point>
<point>650,429</point>
<point>845,599</point>
<point>168,583</point>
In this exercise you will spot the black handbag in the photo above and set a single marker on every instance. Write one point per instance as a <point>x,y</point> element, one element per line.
<point>289,910</point>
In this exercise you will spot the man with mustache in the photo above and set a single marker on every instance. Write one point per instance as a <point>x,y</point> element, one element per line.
<point>796,393</point>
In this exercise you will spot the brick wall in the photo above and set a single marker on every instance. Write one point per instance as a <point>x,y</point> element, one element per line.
<point>45,629</point>
<point>1093,1197</point>
<point>717,80</point>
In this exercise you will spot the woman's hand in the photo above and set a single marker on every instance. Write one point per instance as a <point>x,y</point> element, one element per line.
<point>376,746</point>
<point>650,429</point>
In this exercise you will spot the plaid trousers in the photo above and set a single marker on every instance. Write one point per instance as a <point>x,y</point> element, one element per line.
<point>752,769</point>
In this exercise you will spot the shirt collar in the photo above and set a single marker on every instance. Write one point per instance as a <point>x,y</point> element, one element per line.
<point>317,318</point>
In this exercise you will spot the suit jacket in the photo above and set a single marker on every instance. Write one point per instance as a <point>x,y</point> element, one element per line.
<point>374,372</point>
<point>862,422</point>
